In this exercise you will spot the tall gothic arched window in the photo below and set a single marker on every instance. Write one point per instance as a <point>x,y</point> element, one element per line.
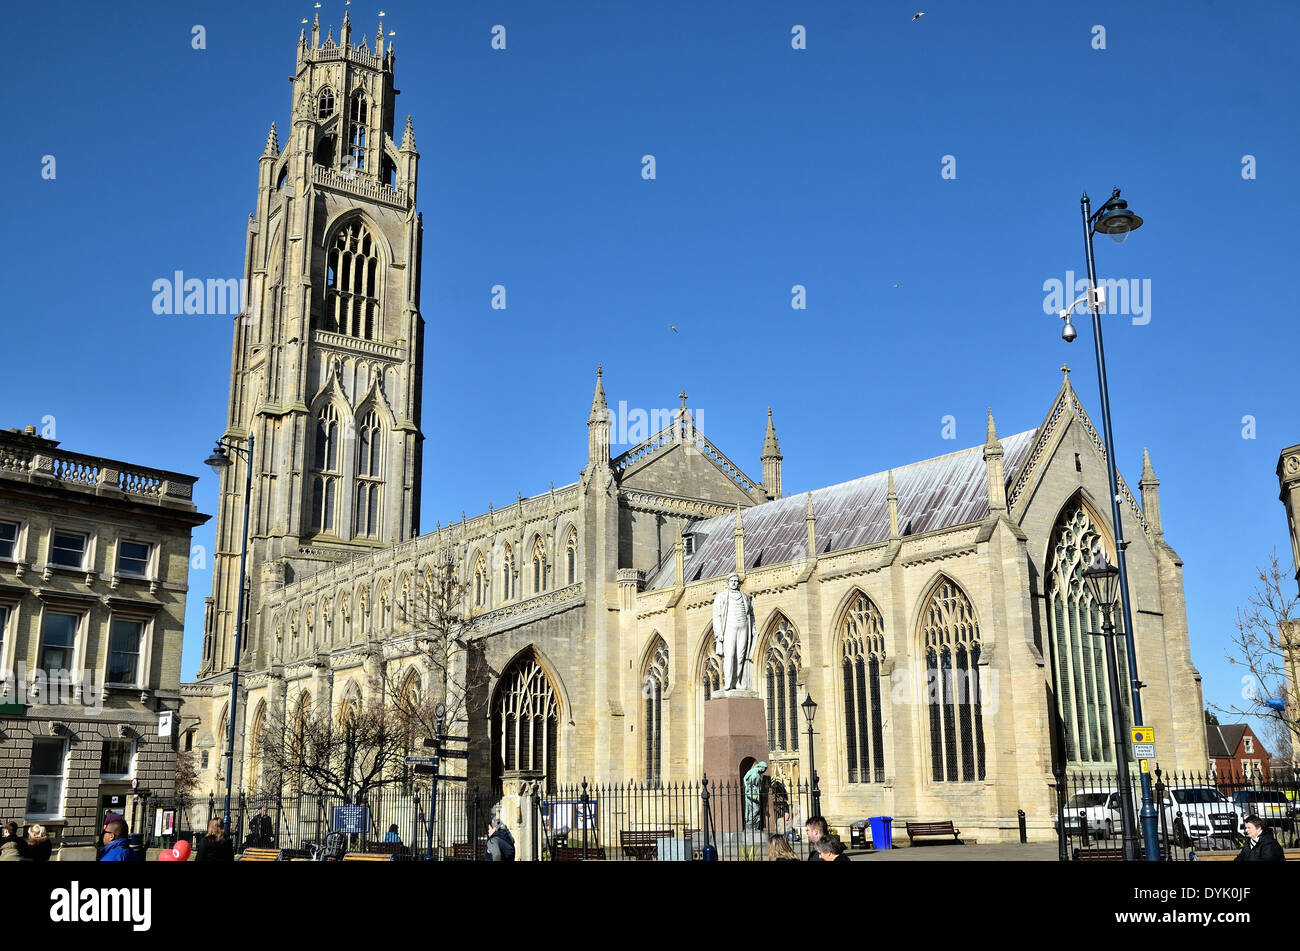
<point>654,681</point>
<point>1078,658</point>
<point>525,722</point>
<point>480,581</point>
<point>325,470</point>
<point>325,103</point>
<point>357,116</point>
<point>862,651</point>
<point>508,573</point>
<point>710,668</point>
<point>571,557</point>
<point>256,779</point>
<point>370,441</point>
<point>538,566</point>
<point>951,637</point>
<point>781,664</point>
<point>351,304</point>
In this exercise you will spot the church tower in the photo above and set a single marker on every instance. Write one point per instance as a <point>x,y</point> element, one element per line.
<point>326,366</point>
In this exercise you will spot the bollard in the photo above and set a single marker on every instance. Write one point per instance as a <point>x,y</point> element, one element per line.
<point>1024,836</point>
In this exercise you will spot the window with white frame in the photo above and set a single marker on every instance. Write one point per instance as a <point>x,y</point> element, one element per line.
<point>58,641</point>
<point>45,779</point>
<point>125,640</point>
<point>116,759</point>
<point>8,539</point>
<point>133,558</point>
<point>68,550</point>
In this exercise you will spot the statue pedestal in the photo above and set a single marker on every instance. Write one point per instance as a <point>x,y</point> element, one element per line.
<point>735,737</point>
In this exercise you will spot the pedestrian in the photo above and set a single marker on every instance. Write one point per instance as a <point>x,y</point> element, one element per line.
<point>500,843</point>
<point>216,845</point>
<point>778,849</point>
<point>117,848</point>
<point>831,849</point>
<point>260,835</point>
<point>816,829</point>
<point>12,847</point>
<point>39,845</point>
<point>393,835</point>
<point>1261,846</point>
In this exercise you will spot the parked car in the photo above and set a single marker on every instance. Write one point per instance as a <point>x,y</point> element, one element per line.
<point>1270,805</point>
<point>1099,807</point>
<point>1197,812</point>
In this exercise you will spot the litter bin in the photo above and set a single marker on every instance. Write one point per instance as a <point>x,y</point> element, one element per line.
<point>858,834</point>
<point>882,832</point>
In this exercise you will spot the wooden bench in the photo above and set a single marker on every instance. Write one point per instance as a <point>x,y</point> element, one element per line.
<point>1292,855</point>
<point>642,844</point>
<point>369,857</point>
<point>573,853</point>
<point>385,848</point>
<point>1110,855</point>
<point>261,855</point>
<point>465,852</point>
<point>946,827</point>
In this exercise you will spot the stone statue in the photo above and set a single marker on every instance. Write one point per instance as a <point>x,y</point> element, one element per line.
<point>733,635</point>
<point>753,786</point>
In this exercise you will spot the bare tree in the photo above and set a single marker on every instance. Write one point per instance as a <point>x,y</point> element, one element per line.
<point>341,755</point>
<point>1266,640</point>
<point>443,650</point>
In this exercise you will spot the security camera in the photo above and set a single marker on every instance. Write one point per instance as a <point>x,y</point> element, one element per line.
<point>1068,333</point>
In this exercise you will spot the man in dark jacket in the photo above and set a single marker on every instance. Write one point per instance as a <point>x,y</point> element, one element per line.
<point>260,835</point>
<point>1260,845</point>
<point>117,848</point>
<point>500,843</point>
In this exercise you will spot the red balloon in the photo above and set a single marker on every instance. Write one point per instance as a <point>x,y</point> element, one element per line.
<point>167,855</point>
<point>182,851</point>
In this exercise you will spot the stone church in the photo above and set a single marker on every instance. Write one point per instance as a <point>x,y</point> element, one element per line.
<point>935,612</point>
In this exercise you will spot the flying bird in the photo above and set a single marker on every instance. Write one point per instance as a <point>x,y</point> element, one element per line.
<point>917,16</point>
<point>896,285</point>
<point>673,328</point>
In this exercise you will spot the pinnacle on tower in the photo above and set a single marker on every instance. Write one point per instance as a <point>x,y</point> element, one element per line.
<point>272,142</point>
<point>771,459</point>
<point>598,425</point>
<point>1149,487</point>
<point>892,496</point>
<point>997,487</point>
<point>408,137</point>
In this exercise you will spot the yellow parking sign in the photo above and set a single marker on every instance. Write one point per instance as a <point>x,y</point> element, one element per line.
<point>1144,742</point>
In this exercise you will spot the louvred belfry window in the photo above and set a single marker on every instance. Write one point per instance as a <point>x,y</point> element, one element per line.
<point>357,131</point>
<point>351,303</point>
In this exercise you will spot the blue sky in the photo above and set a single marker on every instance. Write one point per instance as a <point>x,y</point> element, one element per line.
<point>775,167</point>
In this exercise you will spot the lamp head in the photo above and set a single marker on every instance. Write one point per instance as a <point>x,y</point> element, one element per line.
<point>809,708</point>
<point>1102,579</point>
<point>1117,221</point>
<point>218,460</point>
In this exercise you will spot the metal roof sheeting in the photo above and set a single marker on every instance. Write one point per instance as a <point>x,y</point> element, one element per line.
<point>932,494</point>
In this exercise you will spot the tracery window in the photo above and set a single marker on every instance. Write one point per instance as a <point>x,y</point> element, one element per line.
<point>325,103</point>
<point>525,722</point>
<point>480,581</point>
<point>369,484</point>
<point>951,637</point>
<point>1078,657</point>
<point>861,636</point>
<point>508,574</point>
<point>351,304</point>
<point>538,566</point>
<point>325,470</point>
<point>781,664</point>
<point>357,130</point>
<point>571,558</point>
<point>654,681</point>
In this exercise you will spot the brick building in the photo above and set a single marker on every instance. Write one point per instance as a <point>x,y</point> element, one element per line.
<point>1235,751</point>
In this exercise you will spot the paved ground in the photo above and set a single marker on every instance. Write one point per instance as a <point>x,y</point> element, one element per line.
<point>1011,852</point>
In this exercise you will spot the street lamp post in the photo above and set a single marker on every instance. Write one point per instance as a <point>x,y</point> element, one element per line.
<point>1114,218</point>
<point>809,707</point>
<point>220,462</point>
<point>1102,579</point>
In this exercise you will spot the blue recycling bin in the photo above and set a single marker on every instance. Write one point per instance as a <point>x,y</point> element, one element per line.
<point>882,831</point>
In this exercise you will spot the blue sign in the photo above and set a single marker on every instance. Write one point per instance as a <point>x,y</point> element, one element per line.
<point>352,820</point>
